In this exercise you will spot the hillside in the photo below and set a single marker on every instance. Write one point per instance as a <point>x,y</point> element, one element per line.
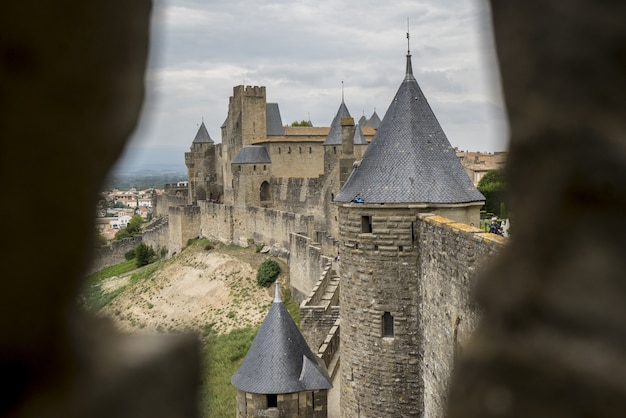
<point>207,287</point>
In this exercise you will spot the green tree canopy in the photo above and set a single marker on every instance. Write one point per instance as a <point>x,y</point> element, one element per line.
<point>132,228</point>
<point>144,254</point>
<point>493,186</point>
<point>302,123</point>
<point>267,273</point>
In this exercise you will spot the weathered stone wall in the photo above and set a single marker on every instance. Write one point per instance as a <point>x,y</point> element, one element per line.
<point>306,265</point>
<point>450,254</point>
<point>156,236</point>
<point>247,180</point>
<point>320,310</point>
<point>238,225</point>
<point>311,404</point>
<point>184,224</point>
<point>216,222</point>
<point>163,201</point>
<point>268,226</point>
<point>298,195</point>
<point>328,244</point>
<point>202,172</point>
<point>108,255</point>
<point>296,159</point>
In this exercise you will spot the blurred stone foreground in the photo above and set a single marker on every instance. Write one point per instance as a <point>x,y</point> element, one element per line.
<point>71,90</point>
<point>552,342</point>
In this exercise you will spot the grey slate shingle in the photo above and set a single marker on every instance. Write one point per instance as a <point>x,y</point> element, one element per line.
<point>410,159</point>
<point>359,139</point>
<point>252,154</point>
<point>279,359</point>
<point>273,121</point>
<point>373,121</point>
<point>334,135</point>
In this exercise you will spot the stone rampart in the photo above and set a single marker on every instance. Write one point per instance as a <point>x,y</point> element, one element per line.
<point>450,255</point>
<point>164,201</point>
<point>155,235</point>
<point>109,255</point>
<point>184,224</point>
<point>330,346</point>
<point>320,310</point>
<point>306,265</point>
<point>269,226</point>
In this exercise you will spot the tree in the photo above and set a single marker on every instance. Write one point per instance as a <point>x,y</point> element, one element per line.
<point>132,228</point>
<point>493,186</point>
<point>144,254</point>
<point>267,273</point>
<point>302,123</point>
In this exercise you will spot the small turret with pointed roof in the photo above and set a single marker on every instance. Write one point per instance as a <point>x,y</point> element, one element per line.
<point>373,121</point>
<point>280,361</point>
<point>334,134</point>
<point>202,136</point>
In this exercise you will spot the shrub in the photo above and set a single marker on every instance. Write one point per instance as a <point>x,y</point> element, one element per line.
<point>267,273</point>
<point>130,254</point>
<point>144,254</point>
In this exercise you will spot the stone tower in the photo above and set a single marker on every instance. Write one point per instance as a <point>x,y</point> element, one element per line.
<point>246,123</point>
<point>251,170</point>
<point>280,375</point>
<point>201,168</point>
<point>408,168</point>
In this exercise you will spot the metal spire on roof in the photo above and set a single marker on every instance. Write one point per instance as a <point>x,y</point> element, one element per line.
<point>342,91</point>
<point>409,66</point>
<point>277,298</point>
<point>408,38</point>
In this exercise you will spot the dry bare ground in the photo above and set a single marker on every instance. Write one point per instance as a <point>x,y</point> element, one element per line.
<point>198,290</point>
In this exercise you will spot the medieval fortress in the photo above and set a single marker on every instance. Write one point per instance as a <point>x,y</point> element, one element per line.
<point>392,199</point>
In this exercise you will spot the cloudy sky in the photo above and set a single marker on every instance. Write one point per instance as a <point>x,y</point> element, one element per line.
<point>302,50</point>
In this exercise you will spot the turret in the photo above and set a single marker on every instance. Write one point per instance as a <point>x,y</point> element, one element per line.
<point>280,375</point>
<point>408,168</point>
<point>201,167</point>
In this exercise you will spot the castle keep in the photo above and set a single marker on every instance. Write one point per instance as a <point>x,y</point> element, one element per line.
<point>390,197</point>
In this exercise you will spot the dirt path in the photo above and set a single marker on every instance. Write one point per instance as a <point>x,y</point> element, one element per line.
<point>198,289</point>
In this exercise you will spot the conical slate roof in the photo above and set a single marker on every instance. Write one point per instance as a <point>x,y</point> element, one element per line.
<point>373,121</point>
<point>334,135</point>
<point>202,135</point>
<point>279,359</point>
<point>359,139</point>
<point>410,159</point>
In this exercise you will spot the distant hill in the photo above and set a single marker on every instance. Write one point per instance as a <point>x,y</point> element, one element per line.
<point>144,179</point>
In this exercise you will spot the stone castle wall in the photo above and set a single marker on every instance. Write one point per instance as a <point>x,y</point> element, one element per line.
<point>306,265</point>
<point>238,225</point>
<point>164,201</point>
<point>311,404</point>
<point>300,159</point>
<point>320,311</point>
<point>184,224</point>
<point>156,236</point>
<point>450,255</point>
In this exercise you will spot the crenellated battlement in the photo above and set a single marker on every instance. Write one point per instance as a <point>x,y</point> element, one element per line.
<point>249,91</point>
